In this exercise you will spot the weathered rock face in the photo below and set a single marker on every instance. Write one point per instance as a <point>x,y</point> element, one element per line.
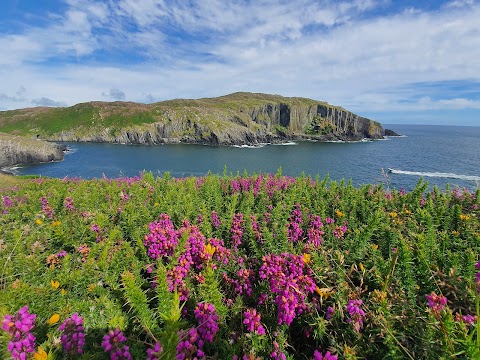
<point>15,150</point>
<point>240,118</point>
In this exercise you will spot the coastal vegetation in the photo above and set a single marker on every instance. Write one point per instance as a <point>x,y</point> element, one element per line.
<point>237,267</point>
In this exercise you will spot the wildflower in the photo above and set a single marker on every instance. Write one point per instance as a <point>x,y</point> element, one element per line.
<point>215,220</point>
<point>55,284</point>
<point>40,354</point>
<point>19,327</point>
<point>73,337</point>
<point>155,352</point>
<point>162,239</point>
<point>252,320</point>
<point>209,249</point>
<point>277,353</point>
<point>294,230</point>
<point>329,313</point>
<point>307,259</point>
<point>339,213</point>
<point>53,319</point>
<point>237,230</point>
<point>466,319</point>
<point>393,214</point>
<point>113,344</point>
<point>436,302</point>
<point>190,345</point>
<point>356,314</point>
<point>39,222</point>
<point>68,203</point>
<point>207,318</point>
<point>317,355</point>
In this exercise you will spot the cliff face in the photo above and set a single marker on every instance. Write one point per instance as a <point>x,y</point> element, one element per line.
<point>241,118</point>
<point>15,150</point>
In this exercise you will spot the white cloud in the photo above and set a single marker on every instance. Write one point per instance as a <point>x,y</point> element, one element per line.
<point>326,50</point>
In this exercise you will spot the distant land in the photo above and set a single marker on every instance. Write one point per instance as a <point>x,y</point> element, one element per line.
<point>236,119</point>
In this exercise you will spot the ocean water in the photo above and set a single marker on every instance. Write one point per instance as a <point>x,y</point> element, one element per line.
<point>440,155</point>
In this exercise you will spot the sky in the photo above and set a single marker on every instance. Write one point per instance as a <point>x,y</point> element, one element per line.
<point>396,62</point>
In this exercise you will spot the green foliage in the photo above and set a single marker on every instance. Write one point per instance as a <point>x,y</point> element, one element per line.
<point>395,249</point>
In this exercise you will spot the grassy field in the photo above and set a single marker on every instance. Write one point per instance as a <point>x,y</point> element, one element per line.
<point>237,267</point>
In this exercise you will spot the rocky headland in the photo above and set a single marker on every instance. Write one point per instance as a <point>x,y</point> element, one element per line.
<point>15,150</point>
<point>235,119</point>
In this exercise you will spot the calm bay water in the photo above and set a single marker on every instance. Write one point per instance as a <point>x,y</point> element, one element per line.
<point>440,154</point>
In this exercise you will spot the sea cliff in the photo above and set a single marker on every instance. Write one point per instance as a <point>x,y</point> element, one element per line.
<point>15,150</point>
<point>235,119</point>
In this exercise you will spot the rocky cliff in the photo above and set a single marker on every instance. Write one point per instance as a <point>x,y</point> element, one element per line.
<point>15,150</point>
<point>240,118</point>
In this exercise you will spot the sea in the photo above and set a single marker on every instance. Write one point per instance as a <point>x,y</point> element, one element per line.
<point>440,155</point>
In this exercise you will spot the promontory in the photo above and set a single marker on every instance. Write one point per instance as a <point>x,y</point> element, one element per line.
<point>235,119</point>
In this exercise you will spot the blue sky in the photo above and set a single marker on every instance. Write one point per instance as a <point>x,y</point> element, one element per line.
<point>393,61</point>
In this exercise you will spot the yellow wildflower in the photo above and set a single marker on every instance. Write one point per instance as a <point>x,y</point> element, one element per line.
<point>379,296</point>
<point>63,291</point>
<point>374,246</point>
<point>209,249</point>
<point>53,319</point>
<point>56,223</point>
<point>408,212</point>
<point>156,204</point>
<point>40,354</point>
<point>324,292</point>
<point>393,214</point>
<point>361,267</point>
<point>55,284</point>
<point>339,213</point>
<point>456,233</point>
<point>91,287</point>
<point>464,217</point>
<point>307,258</point>
<point>39,222</point>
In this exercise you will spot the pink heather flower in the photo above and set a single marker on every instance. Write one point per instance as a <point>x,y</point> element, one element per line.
<point>277,353</point>
<point>46,208</point>
<point>155,353</point>
<point>207,319</point>
<point>291,281</point>
<point>19,327</point>
<point>162,239</point>
<point>294,227</point>
<point>436,302</point>
<point>356,314</point>
<point>68,203</point>
<point>215,220</point>
<point>113,345</point>
<point>237,230</point>
<point>467,319</point>
<point>329,313</point>
<point>73,337</point>
<point>252,320</point>
<point>477,276</point>
<point>61,253</point>
<point>328,356</point>
<point>190,345</point>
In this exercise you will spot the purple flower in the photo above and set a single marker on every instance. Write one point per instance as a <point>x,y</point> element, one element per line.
<point>436,302</point>
<point>19,327</point>
<point>207,319</point>
<point>113,344</point>
<point>356,314</point>
<point>155,352</point>
<point>252,320</point>
<point>73,337</point>
<point>190,345</point>
<point>317,355</point>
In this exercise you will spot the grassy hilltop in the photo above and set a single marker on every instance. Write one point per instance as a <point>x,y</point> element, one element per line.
<point>240,118</point>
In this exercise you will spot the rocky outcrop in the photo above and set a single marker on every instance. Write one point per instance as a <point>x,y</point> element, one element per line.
<point>15,150</point>
<point>240,118</point>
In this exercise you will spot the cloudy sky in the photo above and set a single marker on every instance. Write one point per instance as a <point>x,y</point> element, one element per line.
<point>409,61</point>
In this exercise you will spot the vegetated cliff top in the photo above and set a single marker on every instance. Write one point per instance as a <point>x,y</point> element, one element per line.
<point>235,118</point>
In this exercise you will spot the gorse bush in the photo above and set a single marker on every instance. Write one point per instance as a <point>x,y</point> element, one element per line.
<point>237,267</point>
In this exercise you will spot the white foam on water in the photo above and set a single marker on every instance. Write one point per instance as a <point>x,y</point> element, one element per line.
<point>249,146</point>
<point>288,143</point>
<point>436,174</point>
